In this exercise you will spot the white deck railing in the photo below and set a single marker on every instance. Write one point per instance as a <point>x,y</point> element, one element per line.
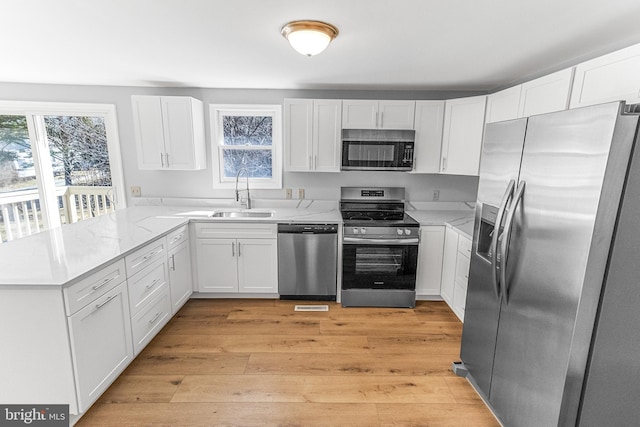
<point>20,213</point>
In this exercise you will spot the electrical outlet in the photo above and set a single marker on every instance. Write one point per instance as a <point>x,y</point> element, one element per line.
<point>300,193</point>
<point>136,191</point>
<point>289,193</point>
<point>436,195</point>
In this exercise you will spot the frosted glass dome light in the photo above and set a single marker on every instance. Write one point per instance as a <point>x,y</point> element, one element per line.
<point>309,37</point>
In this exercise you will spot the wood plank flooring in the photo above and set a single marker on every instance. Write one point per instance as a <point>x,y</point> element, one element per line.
<point>259,363</point>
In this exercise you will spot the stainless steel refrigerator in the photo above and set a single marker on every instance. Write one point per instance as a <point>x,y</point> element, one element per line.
<point>551,331</point>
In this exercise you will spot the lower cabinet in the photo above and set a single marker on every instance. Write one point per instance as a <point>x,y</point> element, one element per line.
<point>100,335</point>
<point>179,259</point>
<point>430,253</point>
<point>455,270</point>
<point>237,258</point>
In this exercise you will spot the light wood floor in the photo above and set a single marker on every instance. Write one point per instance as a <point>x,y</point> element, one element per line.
<point>259,363</point>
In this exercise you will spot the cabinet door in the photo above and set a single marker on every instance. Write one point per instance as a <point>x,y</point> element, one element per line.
<point>428,124</point>
<point>546,94</point>
<point>359,114</point>
<point>101,343</point>
<point>430,254</point>
<point>258,265</point>
<point>180,280</point>
<point>611,77</point>
<point>396,114</point>
<point>217,265</point>
<point>298,134</point>
<point>183,125</point>
<point>462,135</point>
<point>147,122</point>
<point>449,265</point>
<point>503,105</point>
<point>327,129</point>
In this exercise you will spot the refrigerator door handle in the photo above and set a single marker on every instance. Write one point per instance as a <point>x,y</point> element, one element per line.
<point>496,236</point>
<point>504,245</point>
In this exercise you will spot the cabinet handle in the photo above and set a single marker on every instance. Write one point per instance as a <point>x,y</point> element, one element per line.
<point>239,249</point>
<point>444,163</point>
<point>166,155</point>
<point>310,163</point>
<point>162,159</point>
<point>173,262</point>
<point>176,238</point>
<point>150,255</point>
<point>104,282</point>
<point>315,162</point>
<point>381,119</point>
<point>233,249</point>
<point>376,119</point>
<point>152,284</point>
<point>106,301</point>
<point>155,318</point>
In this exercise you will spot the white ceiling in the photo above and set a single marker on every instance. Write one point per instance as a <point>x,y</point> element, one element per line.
<point>383,44</point>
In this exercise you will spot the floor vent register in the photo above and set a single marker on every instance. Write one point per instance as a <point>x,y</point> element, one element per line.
<point>311,308</point>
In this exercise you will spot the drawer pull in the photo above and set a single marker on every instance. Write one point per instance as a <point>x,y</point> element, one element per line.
<point>105,302</point>
<point>104,282</point>
<point>151,255</point>
<point>155,318</point>
<point>178,237</point>
<point>152,284</point>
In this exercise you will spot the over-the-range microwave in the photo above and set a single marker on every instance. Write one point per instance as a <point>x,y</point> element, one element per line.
<point>377,149</point>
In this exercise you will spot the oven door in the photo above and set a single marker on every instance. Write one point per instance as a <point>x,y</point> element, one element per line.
<point>379,266</point>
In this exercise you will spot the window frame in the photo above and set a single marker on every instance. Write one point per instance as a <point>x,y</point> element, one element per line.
<point>35,112</point>
<point>216,112</point>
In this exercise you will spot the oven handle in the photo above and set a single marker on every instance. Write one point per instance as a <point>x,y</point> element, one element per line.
<point>356,240</point>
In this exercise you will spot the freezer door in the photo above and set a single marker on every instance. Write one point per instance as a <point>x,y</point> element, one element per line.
<point>500,164</point>
<point>556,246</point>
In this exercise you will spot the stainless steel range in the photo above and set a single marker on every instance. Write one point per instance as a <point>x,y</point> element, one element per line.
<point>379,248</point>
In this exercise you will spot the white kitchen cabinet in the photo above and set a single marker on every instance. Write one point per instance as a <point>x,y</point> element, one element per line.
<point>150,319</point>
<point>100,335</point>
<point>312,134</point>
<point>450,254</point>
<point>503,105</point>
<point>455,271</point>
<point>169,132</point>
<point>546,94</point>
<point>237,258</point>
<point>180,277</point>
<point>372,114</point>
<point>430,255</point>
<point>611,77</point>
<point>429,118</point>
<point>462,135</point>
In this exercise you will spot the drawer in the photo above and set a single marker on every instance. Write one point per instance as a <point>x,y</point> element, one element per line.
<point>148,322</point>
<point>176,237</point>
<point>146,284</point>
<point>464,245</point>
<point>462,269</point>
<point>233,231</point>
<point>145,256</point>
<point>94,286</point>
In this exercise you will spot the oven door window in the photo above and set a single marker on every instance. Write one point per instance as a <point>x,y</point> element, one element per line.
<point>379,266</point>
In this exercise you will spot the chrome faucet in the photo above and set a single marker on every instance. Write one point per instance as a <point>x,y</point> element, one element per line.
<point>246,202</point>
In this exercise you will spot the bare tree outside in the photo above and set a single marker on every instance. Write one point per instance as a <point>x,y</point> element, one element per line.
<point>255,135</point>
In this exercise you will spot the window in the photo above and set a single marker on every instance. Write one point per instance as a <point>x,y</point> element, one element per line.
<point>247,140</point>
<point>59,164</point>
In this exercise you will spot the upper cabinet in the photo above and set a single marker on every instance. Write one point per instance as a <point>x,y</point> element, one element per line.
<point>367,114</point>
<point>312,130</point>
<point>462,135</point>
<point>546,94</point>
<point>428,125</point>
<point>611,77</point>
<point>169,132</point>
<point>503,105</point>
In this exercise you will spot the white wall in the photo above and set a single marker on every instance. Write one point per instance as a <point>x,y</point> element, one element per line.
<point>198,184</point>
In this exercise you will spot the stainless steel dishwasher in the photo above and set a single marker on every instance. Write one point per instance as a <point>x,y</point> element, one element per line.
<point>307,261</point>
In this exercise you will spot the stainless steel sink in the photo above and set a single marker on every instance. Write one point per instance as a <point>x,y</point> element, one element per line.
<point>242,214</point>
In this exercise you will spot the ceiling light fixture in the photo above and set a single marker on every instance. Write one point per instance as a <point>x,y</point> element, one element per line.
<point>309,37</point>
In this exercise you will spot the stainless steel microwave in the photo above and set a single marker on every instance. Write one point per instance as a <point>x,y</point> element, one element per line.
<point>377,149</point>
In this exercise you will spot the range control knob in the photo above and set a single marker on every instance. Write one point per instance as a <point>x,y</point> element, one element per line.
<point>407,231</point>
<point>399,231</point>
<point>363,230</point>
<point>356,230</point>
